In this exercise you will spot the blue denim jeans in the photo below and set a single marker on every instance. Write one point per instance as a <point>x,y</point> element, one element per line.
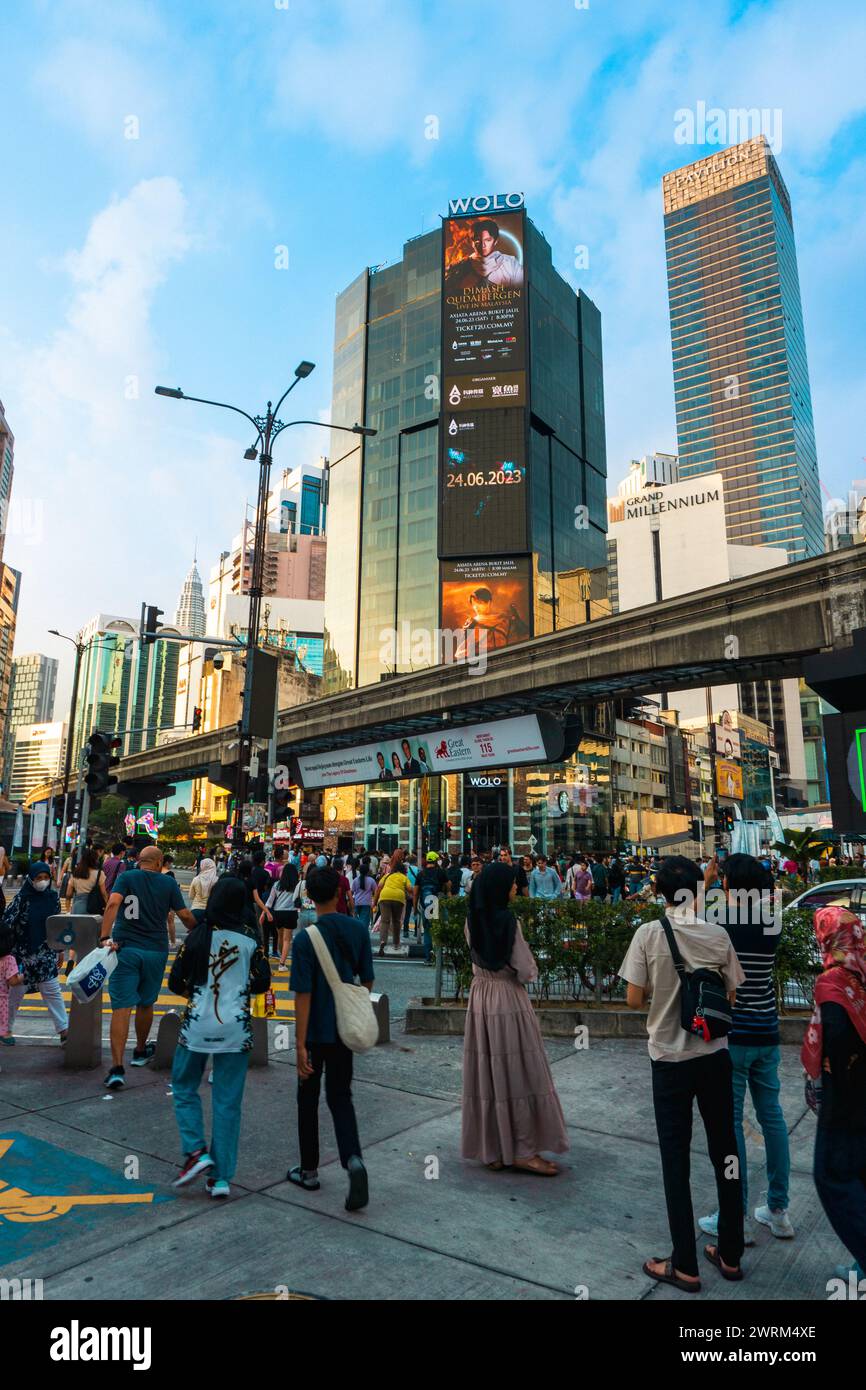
<point>229,1076</point>
<point>758,1068</point>
<point>363,914</point>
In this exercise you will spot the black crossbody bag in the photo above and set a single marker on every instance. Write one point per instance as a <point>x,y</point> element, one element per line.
<point>705,1009</point>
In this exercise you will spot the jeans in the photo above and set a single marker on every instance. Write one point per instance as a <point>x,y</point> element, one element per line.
<point>363,912</point>
<point>427,906</point>
<point>615,894</point>
<point>676,1085</point>
<point>758,1068</point>
<point>335,1060</point>
<point>840,1177</point>
<point>229,1076</point>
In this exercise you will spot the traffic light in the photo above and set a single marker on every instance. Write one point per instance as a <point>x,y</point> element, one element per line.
<point>152,616</point>
<point>728,815</point>
<point>697,831</point>
<point>101,758</point>
<point>196,719</point>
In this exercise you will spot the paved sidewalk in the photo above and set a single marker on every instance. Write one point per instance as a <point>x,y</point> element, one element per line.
<point>466,1233</point>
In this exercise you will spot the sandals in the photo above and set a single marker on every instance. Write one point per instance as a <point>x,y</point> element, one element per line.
<point>734,1276</point>
<point>534,1166</point>
<point>297,1176</point>
<point>669,1276</point>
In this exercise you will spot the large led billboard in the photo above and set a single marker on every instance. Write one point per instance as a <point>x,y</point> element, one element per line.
<point>483,311</point>
<point>486,603</point>
<point>483,492</point>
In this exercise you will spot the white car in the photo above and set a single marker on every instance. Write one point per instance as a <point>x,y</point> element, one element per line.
<point>843,892</point>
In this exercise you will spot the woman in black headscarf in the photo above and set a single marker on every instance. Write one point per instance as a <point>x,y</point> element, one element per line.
<point>27,918</point>
<point>217,968</point>
<point>511,1111</point>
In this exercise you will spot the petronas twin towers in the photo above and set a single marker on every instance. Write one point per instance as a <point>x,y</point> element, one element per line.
<point>190,615</point>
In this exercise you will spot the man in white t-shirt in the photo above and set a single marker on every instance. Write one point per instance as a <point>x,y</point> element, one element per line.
<point>685,1068</point>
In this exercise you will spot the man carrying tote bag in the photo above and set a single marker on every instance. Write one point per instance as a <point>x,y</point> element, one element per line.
<point>323,1027</point>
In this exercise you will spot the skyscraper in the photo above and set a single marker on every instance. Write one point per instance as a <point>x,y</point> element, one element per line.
<point>190,615</point>
<point>7,454</point>
<point>31,699</point>
<point>477,508</point>
<point>741,380</point>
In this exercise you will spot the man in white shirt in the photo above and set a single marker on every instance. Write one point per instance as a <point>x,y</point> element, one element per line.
<point>686,1068</point>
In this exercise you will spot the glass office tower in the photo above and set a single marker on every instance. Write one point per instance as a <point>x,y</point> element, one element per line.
<point>741,379</point>
<point>385,498</point>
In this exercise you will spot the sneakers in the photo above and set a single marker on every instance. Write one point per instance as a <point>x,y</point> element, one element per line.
<point>141,1056</point>
<point>217,1187</point>
<point>115,1079</point>
<point>710,1227</point>
<point>195,1163</point>
<point>358,1192</point>
<point>778,1222</point>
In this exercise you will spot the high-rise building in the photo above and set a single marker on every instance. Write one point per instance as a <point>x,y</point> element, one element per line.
<point>124,688</point>
<point>478,507</point>
<point>7,468</point>
<point>10,590</point>
<point>668,541</point>
<point>190,612</point>
<point>31,698</point>
<point>37,757</point>
<point>741,381</point>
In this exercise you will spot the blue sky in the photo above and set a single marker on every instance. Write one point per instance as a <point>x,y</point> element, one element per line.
<point>126,262</point>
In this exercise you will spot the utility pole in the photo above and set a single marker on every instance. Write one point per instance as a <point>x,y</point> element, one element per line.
<point>268,427</point>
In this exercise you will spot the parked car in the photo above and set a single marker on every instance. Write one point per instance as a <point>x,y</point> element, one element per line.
<point>843,892</point>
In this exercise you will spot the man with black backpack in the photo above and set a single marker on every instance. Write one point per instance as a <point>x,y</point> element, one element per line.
<point>689,971</point>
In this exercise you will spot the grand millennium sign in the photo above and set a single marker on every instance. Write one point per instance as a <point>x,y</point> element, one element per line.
<point>654,503</point>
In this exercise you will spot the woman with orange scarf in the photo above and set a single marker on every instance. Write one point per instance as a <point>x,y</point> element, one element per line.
<point>834,1054</point>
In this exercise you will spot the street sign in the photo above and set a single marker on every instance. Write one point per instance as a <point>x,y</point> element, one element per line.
<point>532,842</point>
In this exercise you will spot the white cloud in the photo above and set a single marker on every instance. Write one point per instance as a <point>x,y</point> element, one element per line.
<point>123,485</point>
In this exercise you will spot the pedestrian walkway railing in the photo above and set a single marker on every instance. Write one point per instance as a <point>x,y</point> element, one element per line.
<point>579,948</point>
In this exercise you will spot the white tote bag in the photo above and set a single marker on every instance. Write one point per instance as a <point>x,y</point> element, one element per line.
<point>89,975</point>
<point>357,1024</point>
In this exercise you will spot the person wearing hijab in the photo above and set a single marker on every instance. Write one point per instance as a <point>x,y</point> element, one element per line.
<point>27,916</point>
<point>218,967</point>
<point>511,1111</point>
<point>200,888</point>
<point>834,1055</point>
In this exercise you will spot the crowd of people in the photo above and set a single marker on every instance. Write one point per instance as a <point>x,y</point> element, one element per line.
<point>705,980</point>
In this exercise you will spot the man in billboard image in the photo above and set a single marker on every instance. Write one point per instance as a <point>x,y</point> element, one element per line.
<point>490,627</point>
<point>487,264</point>
<point>411,765</point>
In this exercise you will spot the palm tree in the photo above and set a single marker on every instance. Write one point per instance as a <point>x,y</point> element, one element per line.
<point>801,846</point>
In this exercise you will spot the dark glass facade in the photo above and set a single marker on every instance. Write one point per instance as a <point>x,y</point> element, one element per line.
<point>741,379</point>
<point>383,494</point>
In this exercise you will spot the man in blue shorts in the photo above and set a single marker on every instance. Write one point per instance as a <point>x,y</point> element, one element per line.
<point>136,926</point>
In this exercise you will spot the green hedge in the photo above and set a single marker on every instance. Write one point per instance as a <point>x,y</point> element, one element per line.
<point>579,944</point>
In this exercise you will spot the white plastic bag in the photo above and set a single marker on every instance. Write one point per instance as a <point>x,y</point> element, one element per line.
<point>89,975</point>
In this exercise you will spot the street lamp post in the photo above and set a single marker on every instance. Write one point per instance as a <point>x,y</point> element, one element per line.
<point>80,648</point>
<point>268,427</point>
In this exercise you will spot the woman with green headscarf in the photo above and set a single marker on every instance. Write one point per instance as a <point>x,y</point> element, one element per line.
<point>27,918</point>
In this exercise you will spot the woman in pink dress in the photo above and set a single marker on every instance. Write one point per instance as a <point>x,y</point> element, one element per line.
<point>511,1111</point>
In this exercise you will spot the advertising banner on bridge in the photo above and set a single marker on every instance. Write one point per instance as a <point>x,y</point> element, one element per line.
<point>527,738</point>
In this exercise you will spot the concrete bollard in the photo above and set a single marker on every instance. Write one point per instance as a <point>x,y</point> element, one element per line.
<point>167,1035</point>
<point>64,932</point>
<point>382,1010</point>
<point>259,1054</point>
